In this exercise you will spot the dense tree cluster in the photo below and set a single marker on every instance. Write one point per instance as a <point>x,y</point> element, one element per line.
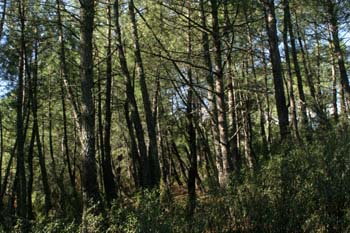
<point>109,101</point>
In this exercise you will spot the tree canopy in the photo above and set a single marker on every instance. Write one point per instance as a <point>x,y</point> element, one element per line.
<point>174,116</point>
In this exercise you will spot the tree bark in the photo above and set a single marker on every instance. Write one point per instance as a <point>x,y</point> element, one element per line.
<point>22,186</point>
<point>292,101</point>
<point>108,176</point>
<point>282,110</point>
<point>89,171</point>
<point>220,99</point>
<point>191,130</point>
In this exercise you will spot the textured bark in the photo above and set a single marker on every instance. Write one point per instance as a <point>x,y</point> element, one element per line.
<point>191,130</point>
<point>108,176</point>
<point>89,171</point>
<point>220,98</point>
<point>22,186</point>
<point>232,110</point>
<point>246,119</point>
<point>282,110</point>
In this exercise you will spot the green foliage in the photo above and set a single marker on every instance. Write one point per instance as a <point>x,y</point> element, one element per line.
<point>146,216</point>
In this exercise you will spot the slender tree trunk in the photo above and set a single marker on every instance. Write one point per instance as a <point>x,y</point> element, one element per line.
<point>333,18</point>
<point>58,178</point>
<point>191,130</point>
<point>246,119</point>
<point>3,188</point>
<point>32,73</point>
<point>144,168</point>
<point>21,190</point>
<point>289,25</point>
<point>309,77</point>
<point>64,72</point>
<point>267,99</point>
<point>220,98</point>
<point>282,110</point>
<point>292,101</point>
<point>30,213</point>
<point>334,80</point>
<point>99,134</point>
<point>108,176</point>
<point>231,85</point>
<point>135,157</point>
<point>318,64</point>
<point>89,171</point>
<point>151,126</point>
<point>211,96</point>
<point>64,86</point>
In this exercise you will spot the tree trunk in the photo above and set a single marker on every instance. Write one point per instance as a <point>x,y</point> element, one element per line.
<point>191,130</point>
<point>151,126</point>
<point>108,176</point>
<point>289,28</point>
<point>33,95</point>
<point>21,190</point>
<point>220,99</point>
<point>282,110</point>
<point>64,72</point>
<point>333,18</point>
<point>63,86</point>
<point>135,157</point>
<point>30,213</point>
<point>334,80</point>
<point>292,103</point>
<point>89,171</point>
<point>211,96</point>
<point>144,168</point>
